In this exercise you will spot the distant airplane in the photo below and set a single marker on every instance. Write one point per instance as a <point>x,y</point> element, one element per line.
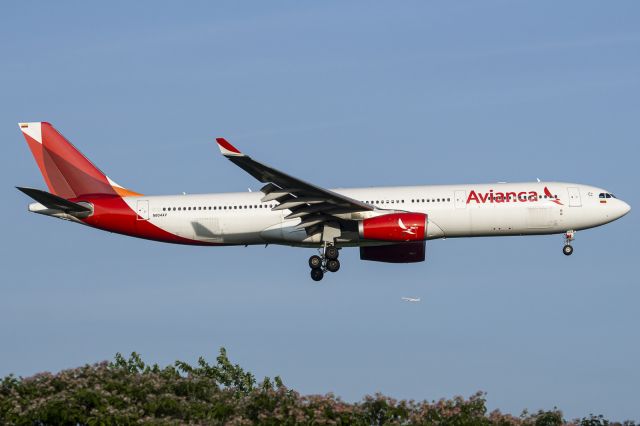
<point>387,224</point>
<point>411,299</point>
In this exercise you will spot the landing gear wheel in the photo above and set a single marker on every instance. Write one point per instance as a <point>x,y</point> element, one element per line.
<point>315,262</point>
<point>331,252</point>
<point>317,274</point>
<point>567,250</point>
<point>333,265</point>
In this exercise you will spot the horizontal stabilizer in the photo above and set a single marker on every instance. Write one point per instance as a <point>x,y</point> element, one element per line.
<point>54,202</point>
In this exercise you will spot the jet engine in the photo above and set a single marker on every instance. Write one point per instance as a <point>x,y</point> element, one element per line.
<point>396,227</point>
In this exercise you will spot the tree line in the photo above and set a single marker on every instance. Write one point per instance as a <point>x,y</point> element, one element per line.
<point>127,391</point>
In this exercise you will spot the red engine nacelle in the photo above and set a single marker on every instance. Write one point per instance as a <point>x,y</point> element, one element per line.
<point>394,227</point>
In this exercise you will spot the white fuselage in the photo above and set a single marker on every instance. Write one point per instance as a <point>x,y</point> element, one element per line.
<point>468,210</point>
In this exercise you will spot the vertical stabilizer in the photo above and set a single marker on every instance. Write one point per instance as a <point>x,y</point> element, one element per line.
<point>67,172</point>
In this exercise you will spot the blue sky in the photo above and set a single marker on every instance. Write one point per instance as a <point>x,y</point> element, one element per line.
<point>340,94</point>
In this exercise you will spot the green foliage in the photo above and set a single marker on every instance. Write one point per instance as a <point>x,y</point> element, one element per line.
<point>594,421</point>
<point>128,391</point>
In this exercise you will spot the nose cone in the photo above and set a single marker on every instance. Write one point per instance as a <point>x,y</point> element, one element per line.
<point>624,208</point>
<point>619,209</point>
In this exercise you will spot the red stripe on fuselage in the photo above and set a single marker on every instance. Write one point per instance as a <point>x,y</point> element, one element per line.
<point>113,214</point>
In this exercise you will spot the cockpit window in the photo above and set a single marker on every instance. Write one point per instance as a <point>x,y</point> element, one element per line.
<point>606,195</point>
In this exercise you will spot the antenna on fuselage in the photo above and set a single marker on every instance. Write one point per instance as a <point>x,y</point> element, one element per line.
<point>538,179</point>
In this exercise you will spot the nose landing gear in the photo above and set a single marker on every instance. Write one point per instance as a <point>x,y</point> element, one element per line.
<point>326,261</point>
<point>568,248</point>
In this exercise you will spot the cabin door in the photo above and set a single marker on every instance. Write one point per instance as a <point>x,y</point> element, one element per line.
<point>142,209</point>
<point>460,199</point>
<point>574,197</point>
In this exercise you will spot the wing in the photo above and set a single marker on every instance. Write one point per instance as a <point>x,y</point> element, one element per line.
<point>314,205</point>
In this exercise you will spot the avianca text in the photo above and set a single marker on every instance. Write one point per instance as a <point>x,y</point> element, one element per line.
<point>501,197</point>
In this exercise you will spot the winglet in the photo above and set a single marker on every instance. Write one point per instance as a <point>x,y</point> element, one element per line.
<point>227,149</point>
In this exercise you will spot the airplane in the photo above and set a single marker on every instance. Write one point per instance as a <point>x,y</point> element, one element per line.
<point>411,299</point>
<point>387,224</point>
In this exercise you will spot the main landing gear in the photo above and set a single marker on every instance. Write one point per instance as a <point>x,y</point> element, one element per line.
<point>568,248</point>
<point>326,261</point>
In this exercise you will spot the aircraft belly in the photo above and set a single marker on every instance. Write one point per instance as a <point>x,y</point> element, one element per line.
<point>217,230</point>
<point>450,223</point>
<point>515,220</point>
<point>174,225</point>
<point>245,230</point>
<point>287,232</point>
